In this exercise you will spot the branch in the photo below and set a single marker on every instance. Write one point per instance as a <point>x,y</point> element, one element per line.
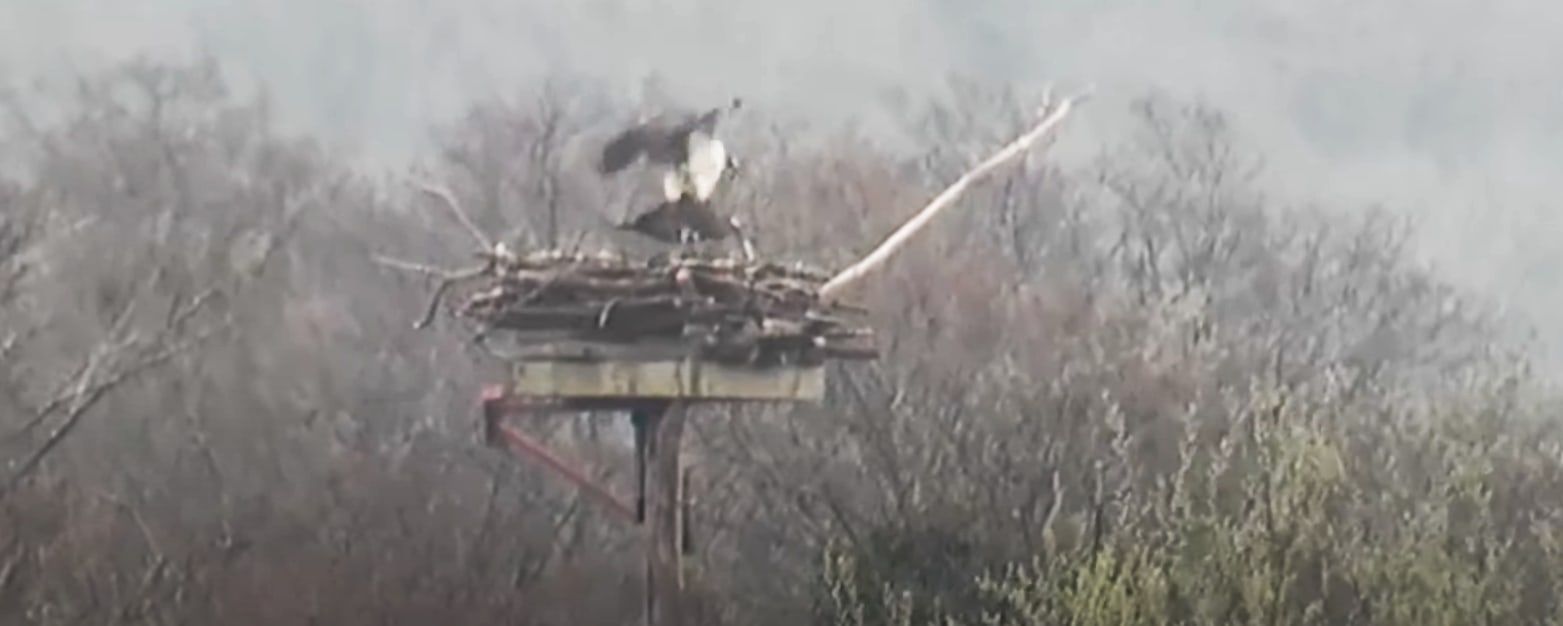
<point>12,340</point>
<point>448,278</point>
<point>439,293</point>
<point>8,572</point>
<point>81,380</point>
<point>75,387</point>
<point>409,266</point>
<point>135,515</point>
<point>454,207</point>
<point>88,396</point>
<point>177,316</point>
<point>32,250</point>
<point>944,200</point>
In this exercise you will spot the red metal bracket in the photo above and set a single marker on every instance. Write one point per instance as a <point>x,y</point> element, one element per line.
<point>497,405</point>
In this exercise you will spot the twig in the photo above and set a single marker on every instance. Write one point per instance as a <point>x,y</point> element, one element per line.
<point>575,246</point>
<point>8,572</point>
<point>81,380</point>
<point>178,315</point>
<point>135,516</point>
<point>607,309</point>
<point>409,266</point>
<point>448,278</point>
<point>31,252</point>
<point>130,611</point>
<point>88,396</point>
<point>449,200</point>
<point>439,293</point>
<point>70,388</point>
<point>12,340</point>
<point>944,200</point>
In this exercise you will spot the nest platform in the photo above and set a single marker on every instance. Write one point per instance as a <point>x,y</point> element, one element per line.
<point>678,326</point>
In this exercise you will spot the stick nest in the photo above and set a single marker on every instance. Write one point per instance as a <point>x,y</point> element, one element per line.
<point>720,309</point>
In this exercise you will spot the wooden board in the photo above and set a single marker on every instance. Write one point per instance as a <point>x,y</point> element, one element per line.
<point>517,347</point>
<point>682,379</point>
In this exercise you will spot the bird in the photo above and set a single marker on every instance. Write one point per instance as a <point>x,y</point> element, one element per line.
<point>687,220</point>
<point>694,161</point>
<point>705,160</point>
<point>683,143</point>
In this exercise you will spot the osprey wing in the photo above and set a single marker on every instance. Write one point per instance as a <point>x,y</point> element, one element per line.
<point>665,222</point>
<point>705,223</point>
<point>622,150</point>
<point>705,122</point>
<point>660,223</point>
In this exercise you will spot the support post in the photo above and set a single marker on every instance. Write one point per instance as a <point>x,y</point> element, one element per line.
<point>641,420</point>
<point>686,535</point>
<point>663,424</point>
<point>657,394</point>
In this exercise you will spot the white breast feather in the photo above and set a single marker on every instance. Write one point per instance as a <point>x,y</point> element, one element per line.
<point>673,184</point>
<point>707,159</point>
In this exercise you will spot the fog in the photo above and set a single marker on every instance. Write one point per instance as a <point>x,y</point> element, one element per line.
<point>1125,382</point>
<point>1449,111</point>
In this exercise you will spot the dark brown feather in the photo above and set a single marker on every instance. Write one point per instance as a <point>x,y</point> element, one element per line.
<point>664,222</point>
<point>663,138</point>
<point>622,150</point>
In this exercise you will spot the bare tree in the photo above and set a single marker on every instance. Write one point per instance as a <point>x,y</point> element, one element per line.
<point>213,409</point>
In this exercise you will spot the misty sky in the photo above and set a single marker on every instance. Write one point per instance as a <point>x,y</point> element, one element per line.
<point>1448,110</point>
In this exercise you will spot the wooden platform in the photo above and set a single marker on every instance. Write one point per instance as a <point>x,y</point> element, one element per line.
<point>681,379</point>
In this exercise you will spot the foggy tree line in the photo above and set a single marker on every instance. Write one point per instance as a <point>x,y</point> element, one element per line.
<point>1137,392</point>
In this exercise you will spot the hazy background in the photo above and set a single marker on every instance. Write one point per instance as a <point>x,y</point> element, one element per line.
<point>1450,111</point>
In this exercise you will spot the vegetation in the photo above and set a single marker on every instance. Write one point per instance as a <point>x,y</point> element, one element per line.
<point>1138,393</point>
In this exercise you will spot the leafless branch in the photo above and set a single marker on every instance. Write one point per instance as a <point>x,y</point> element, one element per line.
<point>36,248</point>
<point>73,387</point>
<point>448,279</point>
<point>81,380</point>
<point>945,199</point>
<point>454,207</point>
<point>179,314</point>
<point>12,340</point>
<point>135,515</point>
<point>8,572</point>
<point>139,604</point>
<point>419,268</point>
<point>88,396</point>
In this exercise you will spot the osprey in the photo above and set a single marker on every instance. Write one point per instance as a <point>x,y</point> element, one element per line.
<point>686,219</point>
<point>685,144</point>
<point>694,159</point>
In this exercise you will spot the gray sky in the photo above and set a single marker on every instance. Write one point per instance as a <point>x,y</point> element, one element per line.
<point>1448,110</point>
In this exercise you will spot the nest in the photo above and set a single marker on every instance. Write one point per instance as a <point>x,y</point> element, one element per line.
<point>719,309</point>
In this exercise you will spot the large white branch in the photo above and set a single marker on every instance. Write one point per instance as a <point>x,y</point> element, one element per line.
<point>850,276</point>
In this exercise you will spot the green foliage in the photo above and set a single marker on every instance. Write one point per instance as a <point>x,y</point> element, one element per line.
<point>922,574</point>
<point>1314,536</point>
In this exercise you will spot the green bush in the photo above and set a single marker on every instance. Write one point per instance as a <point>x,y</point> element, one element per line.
<point>1285,520</point>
